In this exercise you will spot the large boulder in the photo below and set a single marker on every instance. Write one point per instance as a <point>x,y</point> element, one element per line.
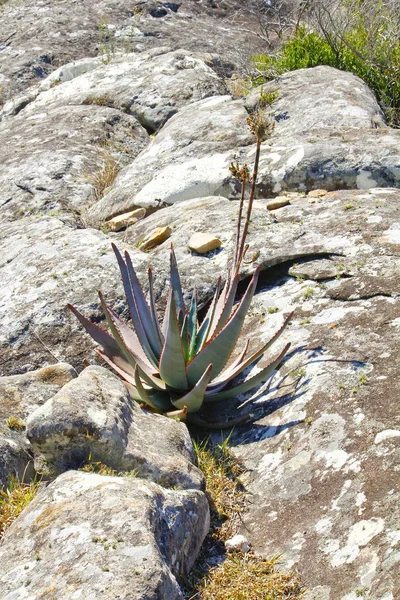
<point>33,47</point>
<point>331,135</point>
<point>151,86</point>
<point>93,417</point>
<point>188,158</point>
<point>95,536</point>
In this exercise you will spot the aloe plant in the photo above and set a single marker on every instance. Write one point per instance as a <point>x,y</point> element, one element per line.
<point>180,366</point>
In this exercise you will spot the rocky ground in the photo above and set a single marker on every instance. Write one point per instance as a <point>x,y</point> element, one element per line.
<point>108,109</point>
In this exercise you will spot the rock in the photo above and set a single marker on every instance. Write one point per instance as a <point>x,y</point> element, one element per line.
<point>306,103</point>
<point>238,542</point>
<point>279,202</point>
<point>20,395</point>
<point>204,242</point>
<point>188,158</point>
<point>155,238</point>
<point>15,458</point>
<point>125,220</point>
<point>313,148</point>
<point>94,416</point>
<point>32,48</point>
<point>317,193</point>
<point>321,462</point>
<point>165,81</point>
<point>48,157</point>
<point>95,536</point>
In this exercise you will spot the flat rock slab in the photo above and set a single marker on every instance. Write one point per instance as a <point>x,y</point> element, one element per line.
<point>151,86</point>
<point>33,47</point>
<point>92,536</point>
<point>323,460</point>
<point>93,418</point>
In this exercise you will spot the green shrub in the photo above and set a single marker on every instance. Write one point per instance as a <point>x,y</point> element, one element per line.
<point>368,46</point>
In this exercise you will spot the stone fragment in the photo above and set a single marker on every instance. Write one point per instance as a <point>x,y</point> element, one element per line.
<point>94,416</point>
<point>204,242</point>
<point>238,542</point>
<point>155,238</point>
<point>125,220</point>
<point>278,202</point>
<point>93,536</point>
<point>317,193</point>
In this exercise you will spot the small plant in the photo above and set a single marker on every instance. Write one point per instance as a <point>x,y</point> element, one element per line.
<point>179,366</point>
<point>13,501</point>
<point>272,310</point>
<point>15,423</point>
<point>249,577</point>
<point>308,293</point>
<point>363,379</point>
<point>348,206</point>
<point>105,176</point>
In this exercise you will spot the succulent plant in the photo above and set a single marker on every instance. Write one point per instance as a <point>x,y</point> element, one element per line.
<point>181,366</point>
<point>176,367</point>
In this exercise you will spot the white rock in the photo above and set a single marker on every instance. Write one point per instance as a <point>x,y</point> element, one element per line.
<point>238,542</point>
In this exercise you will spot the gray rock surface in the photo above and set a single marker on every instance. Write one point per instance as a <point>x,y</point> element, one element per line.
<point>48,158</point>
<point>151,86</point>
<point>330,135</point>
<point>22,394</point>
<point>94,417</point>
<point>19,396</point>
<point>188,158</point>
<point>38,39</point>
<point>319,98</point>
<point>322,464</point>
<point>95,536</point>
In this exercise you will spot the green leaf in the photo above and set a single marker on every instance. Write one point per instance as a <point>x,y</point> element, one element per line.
<point>205,326</point>
<point>224,307</point>
<point>172,365</point>
<point>192,325</point>
<point>250,383</point>
<point>136,320</point>
<point>218,349</point>
<point>153,307</point>
<point>145,314</point>
<point>193,400</point>
<point>235,369</point>
<point>158,401</point>
<point>176,285</point>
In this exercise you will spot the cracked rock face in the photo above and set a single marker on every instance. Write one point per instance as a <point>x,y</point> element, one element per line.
<point>121,537</point>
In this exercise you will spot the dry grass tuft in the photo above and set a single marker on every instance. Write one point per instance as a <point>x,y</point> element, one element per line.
<point>248,577</point>
<point>104,177</point>
<point>13,501</point>
<point>217,576</point>
<point>15,423</point>
<point>225,493</point>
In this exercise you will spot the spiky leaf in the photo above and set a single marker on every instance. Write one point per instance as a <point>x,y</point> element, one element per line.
<point>172,365</point>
